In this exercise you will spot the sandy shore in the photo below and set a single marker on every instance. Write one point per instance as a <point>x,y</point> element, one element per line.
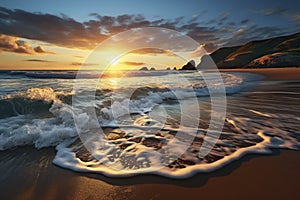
<point>272,74</point>
<point>28,173</point>
<point>269,177</point>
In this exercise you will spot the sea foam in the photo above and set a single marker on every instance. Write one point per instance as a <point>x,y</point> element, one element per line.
<point>141,134</point>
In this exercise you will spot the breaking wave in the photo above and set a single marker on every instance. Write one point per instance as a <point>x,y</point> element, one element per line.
<point>147,139</point>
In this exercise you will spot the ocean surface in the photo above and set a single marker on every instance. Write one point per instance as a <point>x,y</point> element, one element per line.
<point>139,116</point>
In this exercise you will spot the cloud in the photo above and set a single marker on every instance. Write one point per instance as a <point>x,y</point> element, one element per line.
<point>78,56</point>
<point>64,31</point>
<point>272,11</point>
<point>200,51</point>
<point>14,44</point>
<point>132,63</point>
<point>210,47</point>
<point>38,60</point>
<point>152,51</point>
<point>83,64</point>
<point>229,34</point>
<point>59,30</point>
<point>39,49</point>
<point>245,21</point>
<point>67,32</point>
<point>251,33</point>
<point>293,16</point>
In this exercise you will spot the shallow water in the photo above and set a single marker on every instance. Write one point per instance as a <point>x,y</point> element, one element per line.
<point>140,115</point>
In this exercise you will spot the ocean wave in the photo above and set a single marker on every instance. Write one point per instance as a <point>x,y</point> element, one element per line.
<point>142,128</point>
<point>33,101</point>
<point>38,117</point>
<point>73,74</point>
<point>42,104</point>
<point>128,151</point>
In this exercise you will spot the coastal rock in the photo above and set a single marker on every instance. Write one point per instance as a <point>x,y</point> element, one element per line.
<point>276,60</point>
<point>144,69</point>
<point>206,63</point>
<point>274,52</point>
<point>189,66</point>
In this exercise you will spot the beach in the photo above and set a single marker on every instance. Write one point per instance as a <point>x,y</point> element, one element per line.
<point>149,100</point>
<point>29,173</point>
<point>271,74</point>
<point>274,176</point>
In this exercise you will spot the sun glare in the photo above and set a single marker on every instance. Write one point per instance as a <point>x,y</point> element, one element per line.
<point>114,62</point>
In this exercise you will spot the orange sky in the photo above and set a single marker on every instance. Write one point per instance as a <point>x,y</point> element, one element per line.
<point>37,55</point>
<point>44,35</point>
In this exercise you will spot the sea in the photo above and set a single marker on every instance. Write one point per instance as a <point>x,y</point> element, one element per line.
<point>146,122</point>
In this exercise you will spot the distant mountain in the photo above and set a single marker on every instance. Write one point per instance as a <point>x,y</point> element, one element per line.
<point>281,51</point>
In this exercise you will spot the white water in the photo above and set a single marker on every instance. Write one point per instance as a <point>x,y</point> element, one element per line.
<point>146,143</point>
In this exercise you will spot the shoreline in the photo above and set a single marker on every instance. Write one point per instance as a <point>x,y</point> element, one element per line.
<point>271,74</point>
<point>29,173</point>
<point>34,176</point>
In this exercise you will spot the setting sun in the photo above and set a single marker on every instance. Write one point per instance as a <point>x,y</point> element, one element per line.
<point>114,62</point>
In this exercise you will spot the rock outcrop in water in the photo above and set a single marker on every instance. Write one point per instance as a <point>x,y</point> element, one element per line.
<point>189,66</point>
<point>144,69</point>
<point>281,51</point>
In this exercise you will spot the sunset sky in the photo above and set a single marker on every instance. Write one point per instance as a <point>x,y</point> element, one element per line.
<point>61,34</point>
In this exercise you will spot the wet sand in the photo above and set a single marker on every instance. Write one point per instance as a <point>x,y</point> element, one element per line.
<point>28,173</point>
<point>272,74</point>
<point>253,177</point>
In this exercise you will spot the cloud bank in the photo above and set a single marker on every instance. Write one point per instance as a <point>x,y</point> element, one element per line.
<point>64,31</point>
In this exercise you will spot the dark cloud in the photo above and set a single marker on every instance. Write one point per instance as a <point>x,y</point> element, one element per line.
<point>195,17</point>
<point>296,18</point>
<point>210,47</point>
<point>38,60</point>
<point>14,44</point>
<point>39,49</point>
<point>44,27</point>
<point>220,20</point>
<point>293,16</point>
<point>67,32</point>
<point>245,21</point>
<point>272,11</point>
<point>133,63</point>
<point>64,31</point>
<point>230,34</point>
<point>251,33</point>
